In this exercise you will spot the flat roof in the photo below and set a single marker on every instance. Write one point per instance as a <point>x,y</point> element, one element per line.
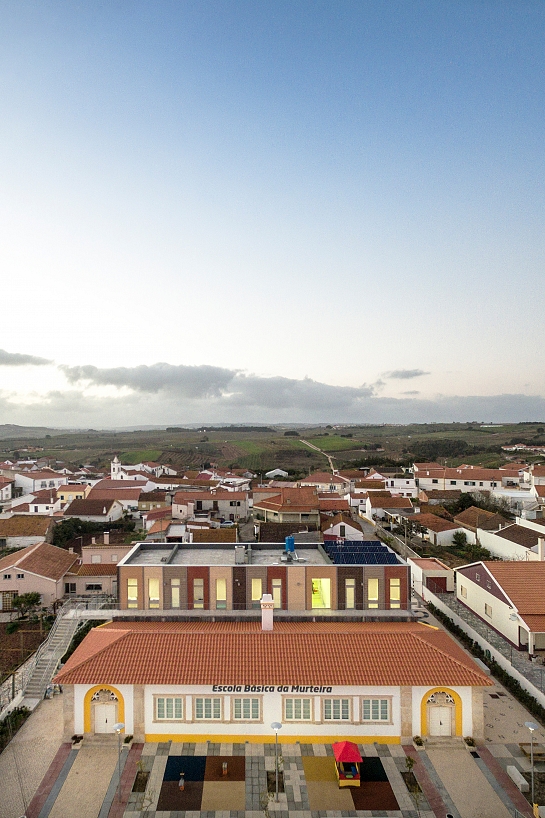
<point>220,554</point>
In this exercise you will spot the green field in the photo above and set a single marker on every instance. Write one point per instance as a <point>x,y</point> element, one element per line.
<point>262,450</point>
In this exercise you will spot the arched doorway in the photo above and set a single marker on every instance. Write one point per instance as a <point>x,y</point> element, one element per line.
<point>441,713</point>
<point>103,708</point>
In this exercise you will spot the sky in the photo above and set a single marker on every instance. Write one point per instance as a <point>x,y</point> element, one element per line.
<point>305,211</point>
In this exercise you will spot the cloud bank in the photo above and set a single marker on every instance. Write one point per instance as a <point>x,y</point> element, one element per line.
<point>19,359</point>
<point>405,374</point>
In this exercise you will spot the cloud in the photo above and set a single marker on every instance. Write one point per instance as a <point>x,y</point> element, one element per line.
<point>230,386</point>
<point>405,374</point>
<point>19,359</point>
<point>411,392</point>
<point>187,381</point>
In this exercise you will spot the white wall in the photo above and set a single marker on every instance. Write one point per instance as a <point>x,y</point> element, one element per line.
<point>79,696</point>
<point>467,708</point>
<point>505,549</point>
<point>476,599</point>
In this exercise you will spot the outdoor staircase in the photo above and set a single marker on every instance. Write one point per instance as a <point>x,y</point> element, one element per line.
<point>49,654</point>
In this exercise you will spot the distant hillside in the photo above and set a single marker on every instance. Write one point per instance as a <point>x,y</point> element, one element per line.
<point>11,430</point>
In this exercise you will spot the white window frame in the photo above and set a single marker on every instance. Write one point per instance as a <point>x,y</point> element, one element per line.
<point>301,706</point>
<point>488,610</point>
<point>168,698</point>
<point>381,702</point>
<point>253,702</point>
<point>340,700</point>
<point>212,700</point>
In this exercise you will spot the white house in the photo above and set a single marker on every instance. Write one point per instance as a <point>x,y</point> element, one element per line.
<point>32,481</point>
<point>509,597</point>
<point>322,685</point>
<point>341,527</point>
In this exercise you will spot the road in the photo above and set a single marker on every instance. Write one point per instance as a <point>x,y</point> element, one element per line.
<point>316,449</point>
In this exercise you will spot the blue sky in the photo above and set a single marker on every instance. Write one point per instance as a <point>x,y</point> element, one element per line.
<point>304,197</point>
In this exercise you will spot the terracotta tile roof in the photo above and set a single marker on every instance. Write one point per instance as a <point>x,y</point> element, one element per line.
<point>184,496</point>
<point>370,484</point>
<point>115,494</point>
<point>430,564</point>
<point>157,513</point>
<point>32,525</point>
<point>321,477</point>
<point>100,569</point>
<point>161,524</point>
<point>411,656</point>
<point>434,523</point>
<point>334,505</point>
<point>89,508</point>
<point>519,534</point>
<point>42,559</point>
<point>478,517</point>
<point>538,471</point>
<point>106,485</point>
<point>344,519</point>
<point>382,501</point>
<point>523,582</point>
<point>71,487</point>
<point>442,494</point>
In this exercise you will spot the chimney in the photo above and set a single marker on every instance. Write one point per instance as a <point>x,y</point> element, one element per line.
<point>106,538</point>
<point>541,548</point>
<point>93,540</point>
<point>267,607</point>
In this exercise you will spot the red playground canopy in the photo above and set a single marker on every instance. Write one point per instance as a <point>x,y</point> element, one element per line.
<point>346,751</point>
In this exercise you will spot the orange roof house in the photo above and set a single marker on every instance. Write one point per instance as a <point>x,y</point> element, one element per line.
<point>130,667</point>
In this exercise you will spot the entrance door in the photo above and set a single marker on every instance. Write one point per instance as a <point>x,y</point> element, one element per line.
<point>104,718</point>
<point>440,720</point>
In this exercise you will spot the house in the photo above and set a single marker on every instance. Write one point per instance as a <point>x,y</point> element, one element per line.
<point>39,568</point>
<point>379,504</point>
<point>341,527</point>
<point>431,573</point>
<point>128,498</point>
<point>150,500</point>
<point>333,504</point>
<point>276,473</point>
<point>514,542</point>
<point>466,479</point>
<point>7,485</point>
<point>31,481</point>
<point>437,497</point>
<point>39,502</point>
<point>321,681</point>
<point>473,518</point>
<point>289,505</point>
<point>217,504</point>
<point>436,530</point>
<point>224,576</point>
<point>325,482</point>
<point>95,511</point>
<point>72,491</point>
<point>90,579</point>
<point>509,597</point>
<point>20,530</point>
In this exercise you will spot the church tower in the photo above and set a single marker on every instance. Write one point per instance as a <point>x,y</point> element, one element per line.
<point>115,469</point>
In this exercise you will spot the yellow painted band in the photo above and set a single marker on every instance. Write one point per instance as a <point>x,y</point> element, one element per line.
<point>232,738</point>
<point>87,705</point>
<point>457,710</point>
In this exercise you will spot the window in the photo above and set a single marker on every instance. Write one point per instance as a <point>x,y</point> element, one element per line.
<point>477,577</point>
<point>395,593</point>
<point>375,710</point>
<point>257,591</point>
<point>469,482</point>
<point>96,558</point>
<point>62,496</point>
<point>350,593</point>
<point>175,592</point>
<point>113,558</point>
<point>198,593</point>
<point>234,502</point>
<point>168,708</point>
<point>453,482</point>
<point>7,576</point>
<point>342,531</point>
<point>372,592</point>
<point>35,509</point>
<point>221,593</point>
<point>209,709</point>
<point>20,576</point>
<point>487,610</point>
<point>336,709</point>
<point>132,593</point>
<point>247,709</point>
<point>434,480</point>
<point>93,586</point>
<point>481,483</point>
<point>297,709</point>
<point>69,587</point>
<point>463,591</point>
<point>43,484</point>
<point>51,484</point>
<point>321,593</point>
<point>153,592</point>
<point>277,592</point>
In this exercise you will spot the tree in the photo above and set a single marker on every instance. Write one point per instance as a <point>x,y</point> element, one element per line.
<point>27,603</point>
<point>459,539</point>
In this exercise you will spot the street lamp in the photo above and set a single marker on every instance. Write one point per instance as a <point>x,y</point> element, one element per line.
<point>118,728</point>
<point>531,727</point>
<point>276,726</point>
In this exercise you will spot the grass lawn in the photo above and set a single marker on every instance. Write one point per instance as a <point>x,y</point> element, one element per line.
<point>334,443</point>
<point>140,456</point>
